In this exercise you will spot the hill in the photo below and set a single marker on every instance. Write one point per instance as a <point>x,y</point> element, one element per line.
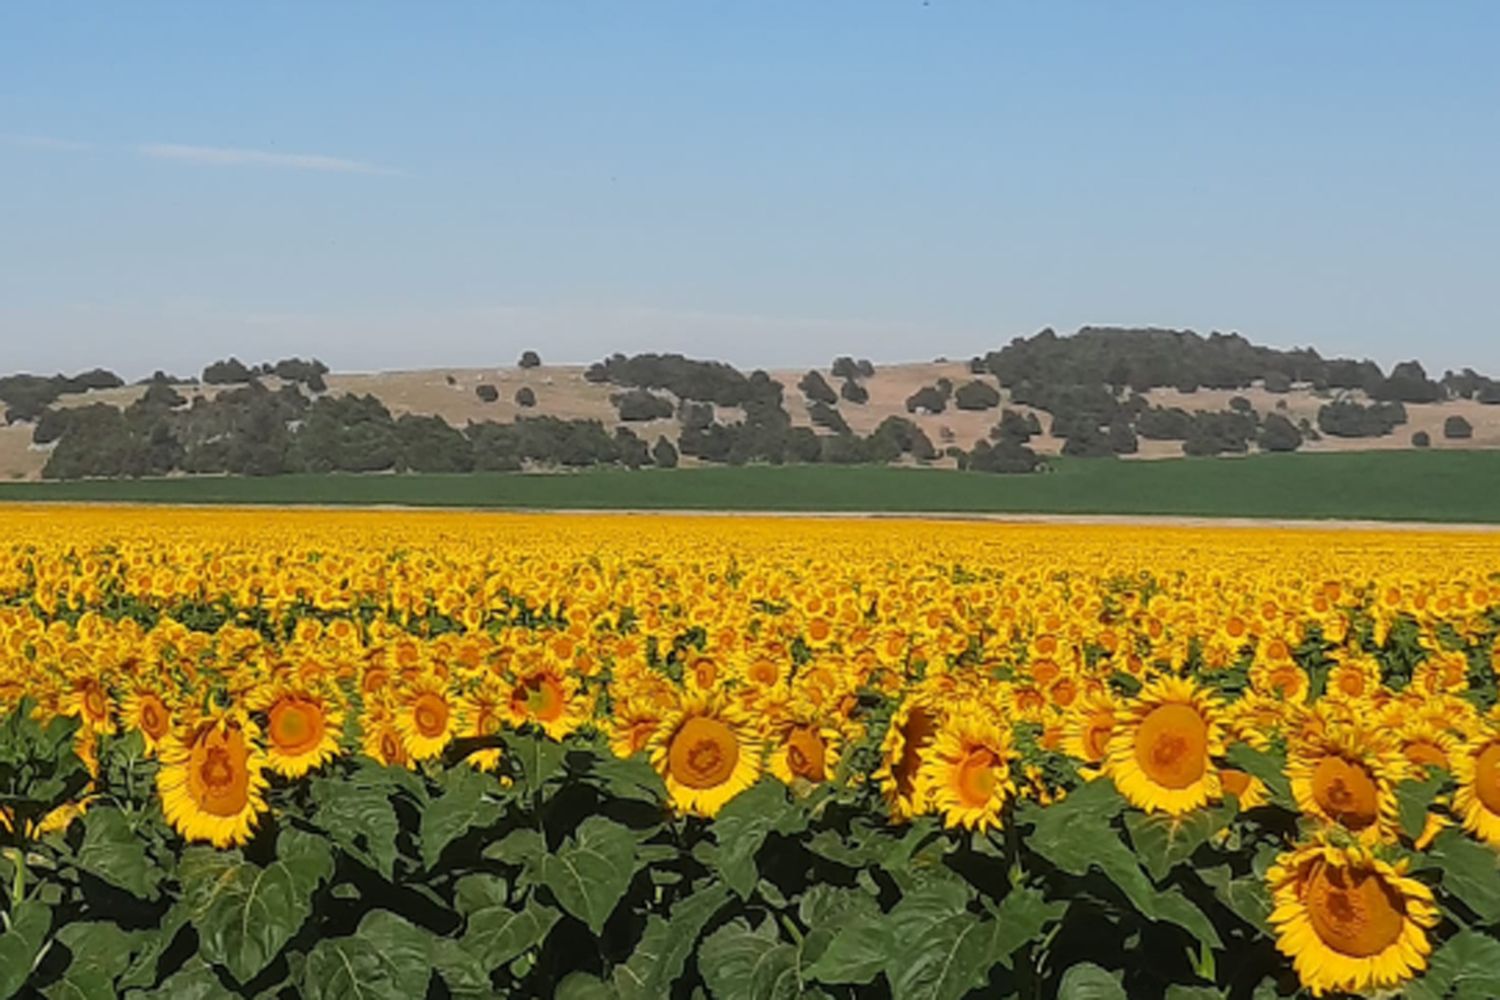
<point>1140,394</point>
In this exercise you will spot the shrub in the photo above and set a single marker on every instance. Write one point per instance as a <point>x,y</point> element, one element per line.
<point>927,398</point>
<point>1278,382</point>
<point>1277,433</point>
<point>230,372</point>
<point>1015,427</point>
<point>1348,419</point>
<point>640,404</point>
<point>1456,428</point>
<point>525,397</point>
<point>530,359</point>
<point>486,393</point>
<point>1421,439</point>
<point>976,395</point>
<point>853,392</point>
<point>1004,457</point>
<point>664,454</point>
<point>823,415</point>
<point>817,389</point>
<point>1240,404</point>
<point>1408,383</point>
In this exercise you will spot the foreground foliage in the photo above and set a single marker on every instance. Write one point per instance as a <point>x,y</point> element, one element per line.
<point>394,755</point>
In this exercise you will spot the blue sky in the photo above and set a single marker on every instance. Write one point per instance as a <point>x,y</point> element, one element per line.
<point>404,184</point>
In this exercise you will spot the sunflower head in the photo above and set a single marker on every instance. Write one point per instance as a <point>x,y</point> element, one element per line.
<point>967,771</point>
<point>210,780</point>
<point>1349,921</point>
<point>302,727</point>
<point>912,730</point>
<point>1161,756</point>
<point>1476,768</point>
<point>707,752</point>
<point>1345,774</point>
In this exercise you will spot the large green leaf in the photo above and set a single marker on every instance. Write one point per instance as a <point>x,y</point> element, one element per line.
<point>115,853</point>
<point>1087,981</point>
<point>741,827</point>
<point>245,914</point>
<point>1163,841</point>
<point>848,939</point>
<point>541,759</point>
<point>1466,967</point>
<point>738,963</point>
<point>590,873</point>
<point>497,934</point>
<point>1246,895</point>
<point>1269,767</point>
<point>941,949</point>
<point>21,943</point>
<point>101,951</point>
<point>196,980</point>
<point>1470,871</point>
<point>462,972</point>
<point>665,946</point>
<point>466,802</point>
<point>1413,799</point>
<point>1022,915</point>
<point>629,778</point>
<point>386,959</point>
<point>582,986</point>
<point>360,818</point>
<point>524,847</point>
<point>1081,838</point>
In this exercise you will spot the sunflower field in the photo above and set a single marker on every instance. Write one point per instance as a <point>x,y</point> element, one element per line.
<point>392,754</point>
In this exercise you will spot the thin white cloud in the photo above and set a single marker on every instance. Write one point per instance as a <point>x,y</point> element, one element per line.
<point>45,142</point>
<point>221,156</point>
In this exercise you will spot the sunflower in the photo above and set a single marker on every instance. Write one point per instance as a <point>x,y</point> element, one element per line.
<point>804,750</point>
<point>210,779</point>
<point>911,731</point>
<point>381,737</point>
<point>1349,921</point>
<point>427,718</point>
<point>967,770</point>
<point>1476,768</point>
<point>707,753</point>
<point>1347,774</point>
<point>89,701</point>
<point>548,698</point>
<point>302,728</point>
<point>1090,723</point>
<point>1159,757</point>
<point>1249,791</point>
<point>147,713</point>
<point>482,709</point>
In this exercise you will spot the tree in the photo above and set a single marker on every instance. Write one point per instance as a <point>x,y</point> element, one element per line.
<point>230,372</point>
<point>664,454</point>
<point>486,393</point>
<point>635,405</point>
<point>823,415</point>
<point>1277,433</point>
<point>853,392</point>
<point>1013,427</point>
<point>530,359</point>
<point>1278,382</point>
<point>1421,439</point>
<point>525,397</point>
<point>976,395</point>
<point>928,398</point>
<point>1456,428</point>
<point>817,389</point>
<point>845,368</point>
